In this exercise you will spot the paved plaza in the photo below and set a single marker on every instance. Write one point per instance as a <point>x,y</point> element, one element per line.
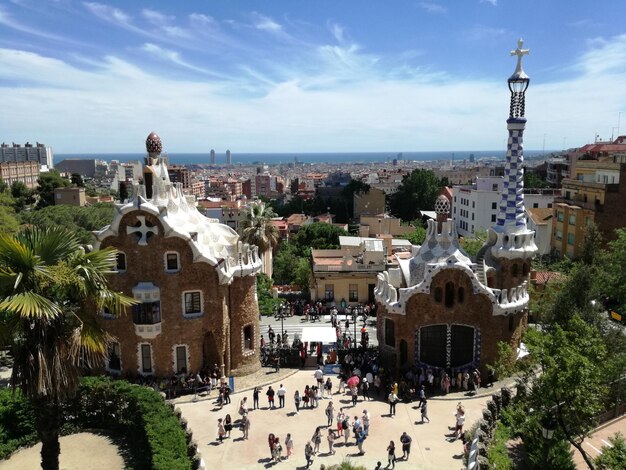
<point>432,446</point>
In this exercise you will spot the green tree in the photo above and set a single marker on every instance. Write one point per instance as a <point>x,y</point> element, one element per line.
<point>257,227</point>
<point>570,383</point>
<point>533,180</point>
<point>303,274</point>
<point>472,245</point>
<point>123,192</point>
<point>419,234</point>
<point>46,184</point>
<point>418,191</point>
<point>613,457</point>
<point>9,222</point>
<point>50,289</point>
<point>22,196</point>
<point>79,220</point>
<point>285,263</point>
<point>77,179</point>
<point>318,236</point>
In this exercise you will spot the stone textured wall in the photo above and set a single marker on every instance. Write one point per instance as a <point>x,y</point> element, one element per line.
<point>244,311</point>
<point>475,310</point>
<point>504,277</point>
<point>206,337</point>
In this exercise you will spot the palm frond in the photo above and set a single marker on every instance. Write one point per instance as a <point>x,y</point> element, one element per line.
<point>30,305</point>
<point>52,244</point>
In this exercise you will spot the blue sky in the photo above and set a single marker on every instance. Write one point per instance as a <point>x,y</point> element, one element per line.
<point>307,76</point>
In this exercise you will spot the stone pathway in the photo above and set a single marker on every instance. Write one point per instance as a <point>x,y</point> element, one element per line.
<point>78,452</point>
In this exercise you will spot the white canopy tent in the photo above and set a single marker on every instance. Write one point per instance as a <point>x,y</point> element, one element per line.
<point>318,334</point>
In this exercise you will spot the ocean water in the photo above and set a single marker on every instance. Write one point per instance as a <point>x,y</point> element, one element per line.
<point>307,158</point>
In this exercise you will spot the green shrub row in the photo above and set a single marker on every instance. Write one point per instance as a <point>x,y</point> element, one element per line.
<point>153,433</point>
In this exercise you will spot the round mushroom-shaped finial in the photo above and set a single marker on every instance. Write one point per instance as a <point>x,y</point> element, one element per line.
<point>442,205</point>
<point>153,144</point>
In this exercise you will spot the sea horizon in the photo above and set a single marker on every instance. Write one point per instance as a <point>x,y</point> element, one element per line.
<point>275,158</point>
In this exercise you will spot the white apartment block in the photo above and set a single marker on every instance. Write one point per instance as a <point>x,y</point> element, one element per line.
<point>476,206</point>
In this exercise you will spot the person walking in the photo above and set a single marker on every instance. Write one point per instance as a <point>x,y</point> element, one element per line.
<point>421,395</point>
<point>331,441</point>
<point>425,411</point>
<point>317,440</point>
<point>393,400</point>
<point>270,397</point>
<point>289,445</point>
<point>221,432</point>
<point>391,455</point>
<point>319,376</point>
<point>460,421</point>
<point>255,397</point>
<point>365,389</point>
<point>243,406</point>
<point>328,387</point>
<point>278,450</point>
<point>270,442</point>
<point>365,419</point>
<point>355,395</point>
<point>330,413</point>
<point>245,425</point>
<point>281,396</point>
<point>308,453</point>
<point>406,446</point>
<point>297,399</point>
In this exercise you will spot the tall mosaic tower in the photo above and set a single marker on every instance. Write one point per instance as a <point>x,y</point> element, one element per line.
<point>511,244</point>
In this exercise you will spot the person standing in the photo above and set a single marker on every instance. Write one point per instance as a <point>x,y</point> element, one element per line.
<point>331,441</point>
<point>424,410</point>
<point>245,425</point>
<point>340,417</point>
<point>281,396</point>
<point>345,424</point>
<point>319,376</point>
<point>406,446</point>
<point>365,389</point>
<point>393,400</point>
<point>228,425</point>
<point>255,397</point>
<point>460,421</point>
<point>296,399</point>
<point>317,440</point>
<point>308,453</point>
<point>365,419</point>
<point>270,397</point>
<point>355,395</point>
<point>328,387</point>
<point>359,440</point>
<point>391,455</point>
<point>421,395</point>
<point>330,413</point>
<point>243,406</point>
<point>289,445</point>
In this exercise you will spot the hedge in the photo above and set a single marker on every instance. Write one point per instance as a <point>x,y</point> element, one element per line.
<point>153,433</point>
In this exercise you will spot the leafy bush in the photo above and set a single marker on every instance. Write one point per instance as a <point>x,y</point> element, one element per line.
<point>158,440</point>
<point>17,423</point>
<point>614,457</point>
<point>498,453</point>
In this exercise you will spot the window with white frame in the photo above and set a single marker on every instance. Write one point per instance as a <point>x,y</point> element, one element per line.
<point>114,362</point>
<point>145,358</point>
<point>329,291</point>
<point>248,338</point>
<point>106,313</point>
<point>192,303</point>
<point>172,262</point>
<point>180,359</point>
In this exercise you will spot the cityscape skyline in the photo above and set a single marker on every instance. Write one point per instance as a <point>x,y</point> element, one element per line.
<point>281,77</point>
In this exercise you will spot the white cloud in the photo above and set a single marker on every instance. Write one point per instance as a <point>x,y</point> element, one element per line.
<point>490,2</point>
<point>9,22</point>
<point>265,23</point>
<point>337,32</point>
<point>156,18</point>
<point>431,7</point>
<point>108,13</point>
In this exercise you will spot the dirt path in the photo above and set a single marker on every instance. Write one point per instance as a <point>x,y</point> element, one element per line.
<point>78,451</point>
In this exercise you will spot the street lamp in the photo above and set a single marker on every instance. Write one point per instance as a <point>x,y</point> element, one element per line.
<point>354,317</point>
<point>548,425</point>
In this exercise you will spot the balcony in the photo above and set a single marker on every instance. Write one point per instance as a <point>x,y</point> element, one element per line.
<point>592,206</point>
<point>147,319</point>
<point>349,267</point>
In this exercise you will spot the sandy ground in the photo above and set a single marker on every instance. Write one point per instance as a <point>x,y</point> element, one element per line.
<point>78,452</point>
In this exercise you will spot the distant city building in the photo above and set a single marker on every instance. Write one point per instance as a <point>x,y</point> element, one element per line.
<point>27,153</point>
<point>598,195</point>
<point>558,168</point>
<point>27,172</point>
<point>229,158</point>
<point>212,157</point>
<point>69,196</point>
<point>476,206</point>
<point>180,174</point>
<point>85,167</point>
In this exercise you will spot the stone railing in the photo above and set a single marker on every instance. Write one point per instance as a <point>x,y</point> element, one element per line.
<point>192,445</point>
<point>477,459</point>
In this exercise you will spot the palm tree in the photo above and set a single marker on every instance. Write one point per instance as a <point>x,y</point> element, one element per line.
<point>259,231</point>
<point>50,293</point>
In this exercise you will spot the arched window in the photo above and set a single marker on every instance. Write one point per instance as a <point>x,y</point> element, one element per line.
<point>514,270</point>
<point>461,295</point>
<point>525,269</point>
<point>438,294</point>
<point>390,333</point>
<point>404,353</point>
<point>449,294</point>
